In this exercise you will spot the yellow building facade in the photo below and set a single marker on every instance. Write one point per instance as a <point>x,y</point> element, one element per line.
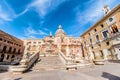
<point>102,40</point>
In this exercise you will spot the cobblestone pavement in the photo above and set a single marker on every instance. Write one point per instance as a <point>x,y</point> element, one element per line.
<point>109,71</point>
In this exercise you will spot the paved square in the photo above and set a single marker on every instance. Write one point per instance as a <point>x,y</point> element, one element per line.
<point>109,71</point>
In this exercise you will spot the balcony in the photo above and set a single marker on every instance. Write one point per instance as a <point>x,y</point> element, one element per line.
<point>97,42</point>
<point>114,35</point>
<point>116,42</point>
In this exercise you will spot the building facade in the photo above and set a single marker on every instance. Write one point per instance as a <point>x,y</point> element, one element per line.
<point>50,45</point>
<point>11,48</point>
<point>102,40</point>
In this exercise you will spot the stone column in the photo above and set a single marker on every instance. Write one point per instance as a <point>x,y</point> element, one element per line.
<point>67,51</point>
<point>117,54</point>
<point>105,52</point>
<point>5,57</point>
<point>91,54</point>
<point>59,47</point>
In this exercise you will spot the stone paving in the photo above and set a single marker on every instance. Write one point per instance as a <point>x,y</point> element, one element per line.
<point>109,71</point>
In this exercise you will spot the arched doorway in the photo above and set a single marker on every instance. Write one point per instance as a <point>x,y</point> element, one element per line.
<point>4,49</point>
<point>12,58</point>
<point>2,58</point>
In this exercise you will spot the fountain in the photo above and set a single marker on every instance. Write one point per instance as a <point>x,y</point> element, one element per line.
<point>49,45</point>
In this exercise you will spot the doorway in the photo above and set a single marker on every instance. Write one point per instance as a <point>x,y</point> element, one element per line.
<point>2,58</point>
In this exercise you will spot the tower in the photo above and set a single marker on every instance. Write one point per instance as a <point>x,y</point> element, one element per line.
<point>106,9</point>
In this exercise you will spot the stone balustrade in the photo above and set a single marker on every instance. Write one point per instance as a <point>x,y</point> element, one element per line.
<point>4,67</point>
<point>64,58</point>
<point>25,64</point>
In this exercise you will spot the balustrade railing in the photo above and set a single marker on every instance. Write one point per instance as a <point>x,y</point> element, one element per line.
<point>25,64</point>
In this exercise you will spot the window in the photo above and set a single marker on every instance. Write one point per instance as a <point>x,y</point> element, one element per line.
<point>105,33</point>
<point>97,37</point>
<point>34,45</point>
<point>114,28</point>
<point>14,50</point>
<point>110,19</point>
<point>102,25</point>
<point>34,42</point>
<point>10,49</point>
<point>18,51</point>
<point>7,57</point>
<point>4,40</point>
<point>4,49</point>
<point>85,43</point>
<point>88,33</point>
<point>101,53</point>
<point>92,47</point>
<point>95,30</point>
<point>99,45</point>
<point>90,40</point>
<point>28,43</point>
<point>0,39</point>
<point>108,43</point>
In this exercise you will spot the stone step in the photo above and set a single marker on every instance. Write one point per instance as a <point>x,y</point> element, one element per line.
<point>49,63</point>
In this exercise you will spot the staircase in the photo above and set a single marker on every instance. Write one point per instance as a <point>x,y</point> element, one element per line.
<point>49,63</point>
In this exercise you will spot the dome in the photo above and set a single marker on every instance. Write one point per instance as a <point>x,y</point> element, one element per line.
<point>60,31</point>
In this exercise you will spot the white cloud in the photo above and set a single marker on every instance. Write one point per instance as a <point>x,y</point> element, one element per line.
<point>29,32</point>
<point>42,32</point>
<point>92,13</point>
<point>46,29</point>
<point>23,12</point>
<point>43,7</point>
<point>6,12</point>
<point>4,15</point>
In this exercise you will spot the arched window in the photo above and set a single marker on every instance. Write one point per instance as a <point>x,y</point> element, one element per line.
<point>13,56</point>
<point>18,51</point>
<point>7,57</point>
<point>4,49</point>
<point>14,50</point>
<point>2,58</point>
<point>10,49</point>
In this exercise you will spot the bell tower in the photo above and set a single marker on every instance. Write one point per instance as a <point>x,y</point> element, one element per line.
<point>106,9</point>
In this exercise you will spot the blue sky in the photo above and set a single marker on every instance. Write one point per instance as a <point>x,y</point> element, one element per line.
<point>36,18</point>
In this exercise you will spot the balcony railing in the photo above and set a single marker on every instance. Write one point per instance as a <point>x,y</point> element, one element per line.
<point>114,35</point>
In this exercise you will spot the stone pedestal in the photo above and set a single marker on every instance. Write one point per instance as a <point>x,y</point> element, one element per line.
<point>99,62</point>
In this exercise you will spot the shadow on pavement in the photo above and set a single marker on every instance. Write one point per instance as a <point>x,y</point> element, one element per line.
<point>114,61</point>
<point>3,71</point>
<point>18,79</point>
<point>110,76</point>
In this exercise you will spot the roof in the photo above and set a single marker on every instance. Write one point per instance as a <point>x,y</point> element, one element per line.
<point>11,37</point>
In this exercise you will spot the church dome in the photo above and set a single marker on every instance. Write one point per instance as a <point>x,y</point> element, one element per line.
<point>60,31</point>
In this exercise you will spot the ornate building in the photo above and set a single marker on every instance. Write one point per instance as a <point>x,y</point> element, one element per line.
<point>11,48</point>
<point>50,45</point>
